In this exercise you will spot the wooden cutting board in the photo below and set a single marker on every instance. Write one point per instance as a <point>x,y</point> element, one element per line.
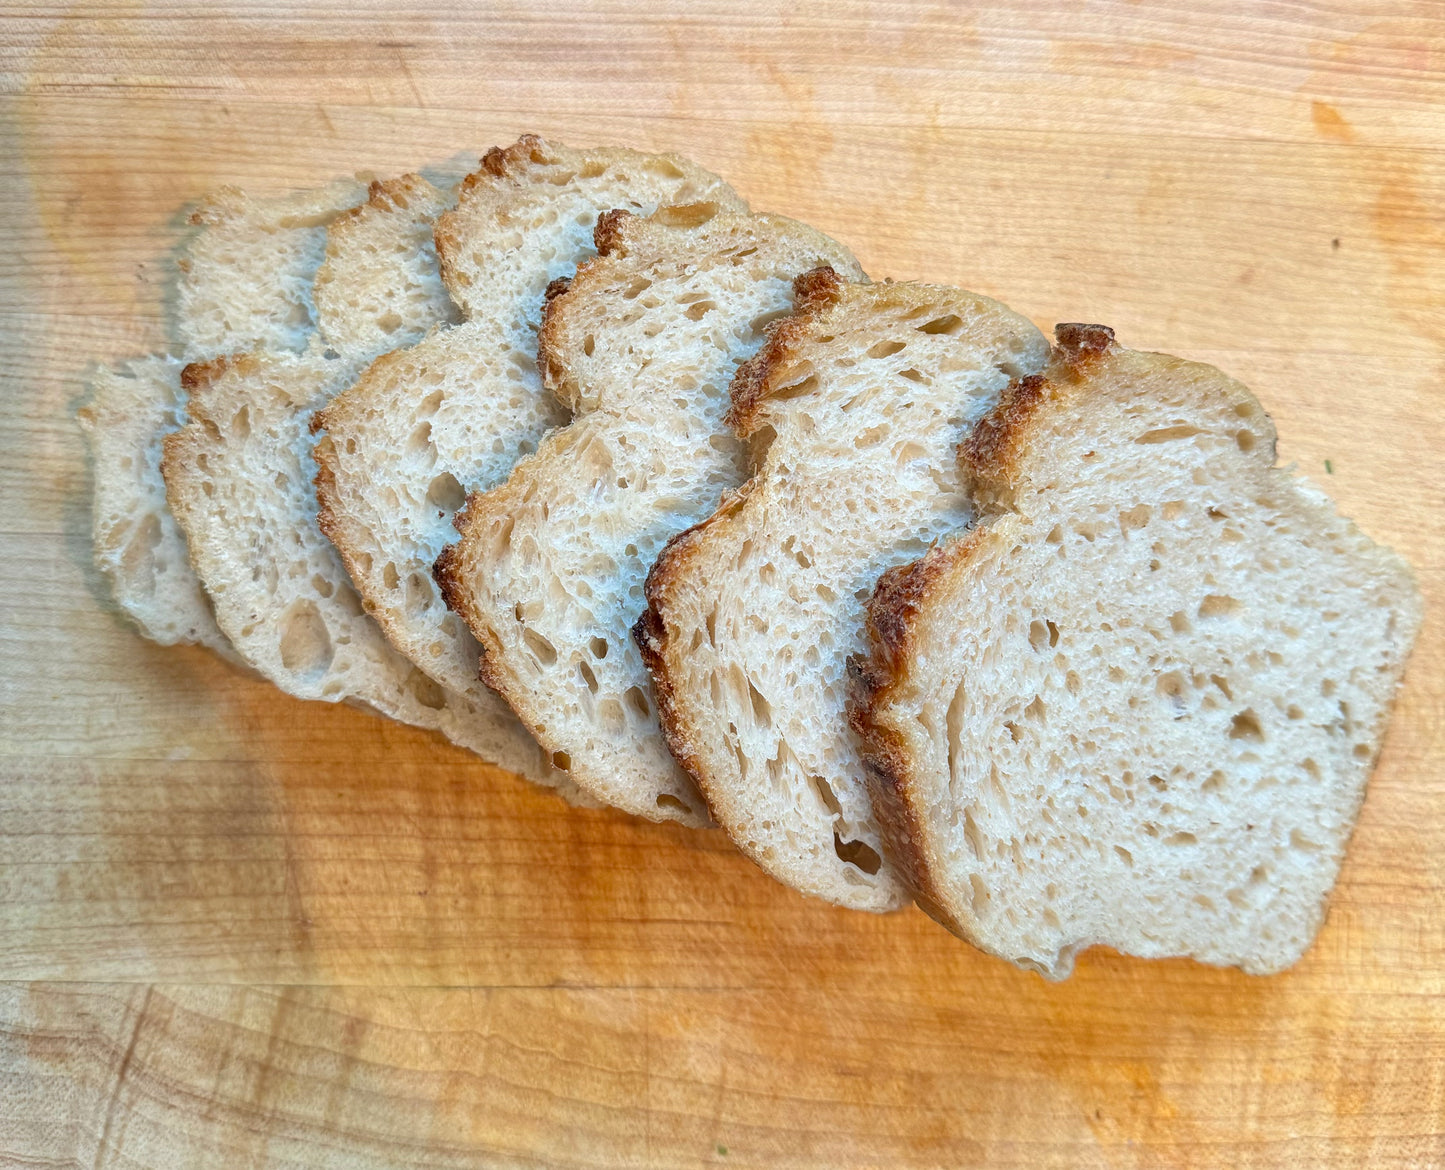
<point>242,930</point>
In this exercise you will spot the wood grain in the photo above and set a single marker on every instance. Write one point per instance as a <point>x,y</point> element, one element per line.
<point>485,977</point>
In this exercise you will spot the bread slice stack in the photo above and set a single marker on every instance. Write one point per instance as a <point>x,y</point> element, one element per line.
<point>661,503</point>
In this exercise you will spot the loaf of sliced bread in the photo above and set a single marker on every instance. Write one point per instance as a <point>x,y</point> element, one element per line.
<point>549,571</point>
<point>423,426</point>
<point>1138,704</point>
<point>858,403</point>
<point>244,282</point>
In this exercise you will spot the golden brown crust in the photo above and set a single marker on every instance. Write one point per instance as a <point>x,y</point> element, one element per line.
<point>1078,342</point>
<point>815,293</point>
<point>892,620</point>
<point>990,455</point>
<point>501,161</point>
<point>610,233</point>
<point>650,634</point>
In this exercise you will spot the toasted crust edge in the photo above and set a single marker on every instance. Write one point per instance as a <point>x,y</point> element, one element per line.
<point>650,634</point>
<point>892,787</point>
<point>815,292</point>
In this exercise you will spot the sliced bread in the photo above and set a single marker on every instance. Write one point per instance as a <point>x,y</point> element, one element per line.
<point>1138,704</point>
<point>423,426</point>
<point>136,541</point>
<point>858,402</point>
<point>239,480</point>
<point>244,281</point>
<point>246,276</point>
<point>379,287</point>
<point>550,567</point>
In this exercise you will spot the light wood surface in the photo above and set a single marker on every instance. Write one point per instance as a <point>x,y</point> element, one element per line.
<point>277,933</point>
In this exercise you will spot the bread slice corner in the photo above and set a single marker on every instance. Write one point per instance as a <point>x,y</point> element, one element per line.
<point>1138,703</point>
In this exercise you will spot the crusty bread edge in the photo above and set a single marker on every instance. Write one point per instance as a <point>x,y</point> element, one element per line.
<point>448,572</point>
<point>893,789</point>
<point>815,291</point>
<point>990,459</point>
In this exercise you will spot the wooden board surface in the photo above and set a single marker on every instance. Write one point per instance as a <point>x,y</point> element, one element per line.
<point>479,975</point>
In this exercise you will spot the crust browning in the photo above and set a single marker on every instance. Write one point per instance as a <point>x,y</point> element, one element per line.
<point>815,292</point>
<point>650,634</point>
<point>990,455</point>
<point>893,612</point>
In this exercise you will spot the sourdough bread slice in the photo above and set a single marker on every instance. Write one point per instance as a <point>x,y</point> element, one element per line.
<point>861,398</point>
<point>243,281</point>
<point>238,478</point>
<point>550,567</point>
<point>423,426</point>
<point>1138,704</point>
<point>136,541</point>
<point>379,287</point>
<point>246,276</point>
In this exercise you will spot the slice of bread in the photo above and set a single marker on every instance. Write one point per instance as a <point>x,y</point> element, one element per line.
<point>1138,704</point>
<point>550,568</point>
<point>423,426</point>
<point>859,401</point>
<point>379,287</point>
<point>244,281</point>
<point>238,479</point>
<point>137,544</point>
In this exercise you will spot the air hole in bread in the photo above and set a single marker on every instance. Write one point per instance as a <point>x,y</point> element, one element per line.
<point>389,322</point>
<point>799,389</point>
<point>948,325</point>
<point>1244,440</point>
<point>637,702</point>
<point>1219,605</point>
<point>305,641</point>
<point>426,691</point>
<point>446,494</point>
<point>885,349</point>
<point>913,376</point>
<point>1168,435</point>
<point>760,323</point>
<point>561,761</point>
<point>667,800</point>
<point>588,677</point>
<point>700,310</point>
<point>542,650</point>
<point>1246,725</point>
<point>977,842</point>
<point>857,853</point>
<point>598,646</point>
<point>1135,517</point>
<point>762,709</point>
